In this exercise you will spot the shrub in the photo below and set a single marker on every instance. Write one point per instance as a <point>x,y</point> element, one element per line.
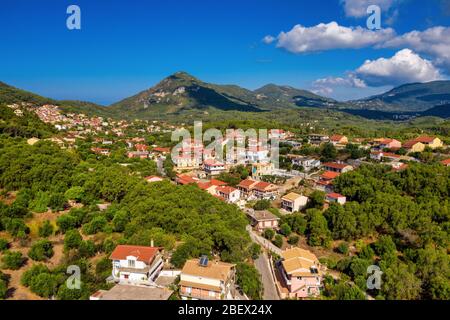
<point>44,285</point>
<point>4,245</point>
<point>293,239</point>
<point>41,250</point>
<point>249,280</point>
<point>255,250</point>
<point>285,229</point>
<point>278,241</point>
<point>46,229</point>
<point>262,205</point>
<point>343,248</point>
<point>12,260</point>
<point>269,234</point>
<point>72,239</point>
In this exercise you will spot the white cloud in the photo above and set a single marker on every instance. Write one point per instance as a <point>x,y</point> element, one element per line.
<point>434,42</point>
<point>358,8</point>
<point>330,36</point>
<point>268,39</point>
<point>326,86</point>
<point>404,67</point>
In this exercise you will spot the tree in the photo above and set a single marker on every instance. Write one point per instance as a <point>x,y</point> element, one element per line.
<point>75,193</point>
<point>293,239</point>
<point>399,283</point>
<point>3,289</point>
<point>4,244</point>
<point>385,246</point>
<point>46,229</point>
<point>41,250</point>
<point>285,229</point>
<point>87,249</point>
<point>262,205</point>
<point>249,280</point>
<point>328,152</point>
<point>44,285</point>
<point>66,222</point>
<point>343,248</point>
<point>57,202</point>
<point>316,199</point>
<point>318,232</point>
<point>255,250</point>
<point>269,234</point>
<point>12,260</point>
<point>65,293</point>
<point>119,221</point>
<point>72,240</point>
<point>278,241</point>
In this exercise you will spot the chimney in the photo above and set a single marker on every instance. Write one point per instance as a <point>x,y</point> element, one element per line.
<point>152,243</point>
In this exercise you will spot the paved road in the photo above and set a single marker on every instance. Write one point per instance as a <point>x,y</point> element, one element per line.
<point>266,244</point>
<point>270,291</point>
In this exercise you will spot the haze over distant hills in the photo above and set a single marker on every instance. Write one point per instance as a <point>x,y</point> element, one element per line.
<point>181,94</point>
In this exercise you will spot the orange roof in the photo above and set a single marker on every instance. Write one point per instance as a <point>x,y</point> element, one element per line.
<point>204,185</point>
<point>144,254</point>
<point>225,189</point>
<point>425,139</point>
<point>335,165</point>
<point>216,182</point>
<point>262,185</point>
<point>329,175</point>
<point>161,149</point>
<point>335,195</point>
<point>185,179</point>
<point>446,162</point>
<point>212,162</point>
<point>336,137</point>
<point>410,143</point>
<point>247,183</point>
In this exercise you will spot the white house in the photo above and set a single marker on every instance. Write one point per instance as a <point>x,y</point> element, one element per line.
<point>213,167</point>
<point>228,193</point>
<point>306,162</point>
<point>293,202</point>
<point>337,198</point>
<point>136,264</point>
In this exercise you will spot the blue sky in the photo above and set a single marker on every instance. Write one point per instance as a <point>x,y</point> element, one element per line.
<point>124,47</point>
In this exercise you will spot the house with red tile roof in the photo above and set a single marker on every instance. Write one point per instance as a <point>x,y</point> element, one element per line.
<point>136,264</point>
<point>325,182</point>
<point>446,162</point>
<point>337,167</point>
<point>419,144</point>
<point>336,198</point>
<point>389,144</point>
<point>246,187</point>
<point>338,139</point>
<point>213,167</point>
<point>229,194</point>
<point>184,179</point>
<point>264,190</point>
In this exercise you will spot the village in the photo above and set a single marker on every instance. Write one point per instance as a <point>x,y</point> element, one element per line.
<point>289,268</point>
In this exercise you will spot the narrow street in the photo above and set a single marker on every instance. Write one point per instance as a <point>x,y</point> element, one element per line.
<point>270,291</point>
<point>262,265</point>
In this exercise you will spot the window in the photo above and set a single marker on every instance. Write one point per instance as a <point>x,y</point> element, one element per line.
<point>212,294</point>
<point>188,290</point>
<point>131,263</point>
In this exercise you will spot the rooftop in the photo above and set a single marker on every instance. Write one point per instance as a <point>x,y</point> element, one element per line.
<point>214,270</point>
<point>144,254</point>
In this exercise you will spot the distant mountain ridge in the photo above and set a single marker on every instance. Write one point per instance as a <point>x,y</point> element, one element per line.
<point>181,94</point>
<point>413,97</point>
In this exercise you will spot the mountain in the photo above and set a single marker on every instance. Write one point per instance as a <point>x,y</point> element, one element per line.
<point>183,92</point>
<point>414,97</point>
<point>10,95</point>
<point>292,96</point>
